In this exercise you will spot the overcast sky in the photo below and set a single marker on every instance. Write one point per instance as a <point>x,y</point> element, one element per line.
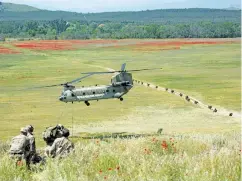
<point>124,5</point>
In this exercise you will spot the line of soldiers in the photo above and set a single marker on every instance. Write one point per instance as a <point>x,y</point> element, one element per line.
<point>23,148</point>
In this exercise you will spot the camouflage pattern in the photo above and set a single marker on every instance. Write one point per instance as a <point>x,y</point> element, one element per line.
<point>19,148</point>
<point>61,147</point>
<point>32,147</point>
<point>47,150</point>
<point>19,145</point>
<point>31,142</point>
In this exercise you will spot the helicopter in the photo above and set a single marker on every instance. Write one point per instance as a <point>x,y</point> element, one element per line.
<point>121,83</point>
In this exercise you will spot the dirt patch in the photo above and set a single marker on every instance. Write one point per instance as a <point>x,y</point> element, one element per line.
<point>180,43</point>
<point>59,44</point>
<point>160,45</point>
<point>44,45</point>
<point>4,50</point>
<point>136,45</point>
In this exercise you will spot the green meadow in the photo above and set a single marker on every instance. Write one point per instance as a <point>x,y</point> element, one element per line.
<point>208,142</point>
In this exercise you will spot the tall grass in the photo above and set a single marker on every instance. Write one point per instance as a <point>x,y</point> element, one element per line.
<point>193,157</point>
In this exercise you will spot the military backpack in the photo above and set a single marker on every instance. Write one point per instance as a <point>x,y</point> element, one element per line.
<point>51,133</point>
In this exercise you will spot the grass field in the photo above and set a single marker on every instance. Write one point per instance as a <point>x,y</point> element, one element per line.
<point>209,142</point>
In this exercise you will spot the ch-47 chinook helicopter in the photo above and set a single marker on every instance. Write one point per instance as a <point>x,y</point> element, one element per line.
<point>120,85</point>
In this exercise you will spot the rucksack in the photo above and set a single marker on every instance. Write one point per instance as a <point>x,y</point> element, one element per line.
<point>51,133</point>
<point>18,144</point>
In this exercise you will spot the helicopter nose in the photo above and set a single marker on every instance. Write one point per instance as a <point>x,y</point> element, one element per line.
<point>61,98</point>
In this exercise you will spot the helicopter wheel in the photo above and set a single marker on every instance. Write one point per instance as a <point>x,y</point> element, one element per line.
<point>121,99</point>
<point>87,103</point>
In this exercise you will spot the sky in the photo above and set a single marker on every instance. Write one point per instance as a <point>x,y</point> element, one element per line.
<point>124,5</point>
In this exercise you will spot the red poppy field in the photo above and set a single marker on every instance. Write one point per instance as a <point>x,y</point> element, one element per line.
<point>161,45</point>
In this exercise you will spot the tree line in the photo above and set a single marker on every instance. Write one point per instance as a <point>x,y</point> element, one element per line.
<point>62,29</point>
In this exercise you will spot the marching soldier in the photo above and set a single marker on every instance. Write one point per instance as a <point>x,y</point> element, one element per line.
<point>19,148</point>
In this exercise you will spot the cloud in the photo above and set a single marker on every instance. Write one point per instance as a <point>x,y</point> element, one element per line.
<point>124,5</point>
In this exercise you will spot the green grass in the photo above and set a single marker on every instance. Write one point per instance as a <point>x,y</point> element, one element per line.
<point>193,157</point>
<point>208,73</point>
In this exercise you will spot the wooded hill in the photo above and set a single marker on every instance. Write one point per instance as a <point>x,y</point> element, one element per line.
<point>27,22</point>
<point>9,11</point>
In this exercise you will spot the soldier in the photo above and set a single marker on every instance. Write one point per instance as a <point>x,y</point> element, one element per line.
<point>61,147</point>
<point>19,148</point>
<point>32,151</point>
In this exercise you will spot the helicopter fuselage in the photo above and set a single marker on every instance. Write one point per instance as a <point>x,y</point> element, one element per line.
<point>86,94</point>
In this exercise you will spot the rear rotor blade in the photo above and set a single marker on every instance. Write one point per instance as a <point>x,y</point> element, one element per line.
<point>137,70</point>
<point>123,67</point>
<point>111,72</point>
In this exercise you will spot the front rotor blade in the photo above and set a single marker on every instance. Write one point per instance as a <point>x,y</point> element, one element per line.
<point>79,79</point>
<point>40,87</point>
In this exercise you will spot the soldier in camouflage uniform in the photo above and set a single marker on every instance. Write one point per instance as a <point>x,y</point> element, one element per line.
<point>32,151</point>
<point>61,147</point>
<point>19,148</point>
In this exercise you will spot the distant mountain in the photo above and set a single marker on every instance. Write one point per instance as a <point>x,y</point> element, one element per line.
<point>232,8</point>
<point>14,12</point>
<point>16,7</point>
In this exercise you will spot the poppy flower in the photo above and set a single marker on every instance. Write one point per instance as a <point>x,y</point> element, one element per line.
<point>118,168</point>
<point>110,169</point>
<point>164,145</point>
<point>20,163</point>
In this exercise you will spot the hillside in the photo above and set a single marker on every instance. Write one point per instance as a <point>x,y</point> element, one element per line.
<point>13,12</point>
<point>10,7</point>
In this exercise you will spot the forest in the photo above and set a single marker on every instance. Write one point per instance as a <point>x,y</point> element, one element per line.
<point>160,24</point>
<point>61,29</point>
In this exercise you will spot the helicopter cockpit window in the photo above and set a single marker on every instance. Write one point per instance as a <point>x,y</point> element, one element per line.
<point>72,94</point>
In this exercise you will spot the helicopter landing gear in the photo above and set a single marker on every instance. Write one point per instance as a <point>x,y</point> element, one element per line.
<point>87,103</point>
<point>121,99</point>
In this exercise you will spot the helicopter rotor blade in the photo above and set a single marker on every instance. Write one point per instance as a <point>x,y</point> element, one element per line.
<point>111,72</point>
<point>40,87</point>
<point>137,70</point>
<point>79,79</point>
<point>123,67</point>
<point>63,84</point>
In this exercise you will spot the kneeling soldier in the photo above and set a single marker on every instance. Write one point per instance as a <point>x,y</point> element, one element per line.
<point>19,148</point>
<point>32,152</point>
<point>61,147</point>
